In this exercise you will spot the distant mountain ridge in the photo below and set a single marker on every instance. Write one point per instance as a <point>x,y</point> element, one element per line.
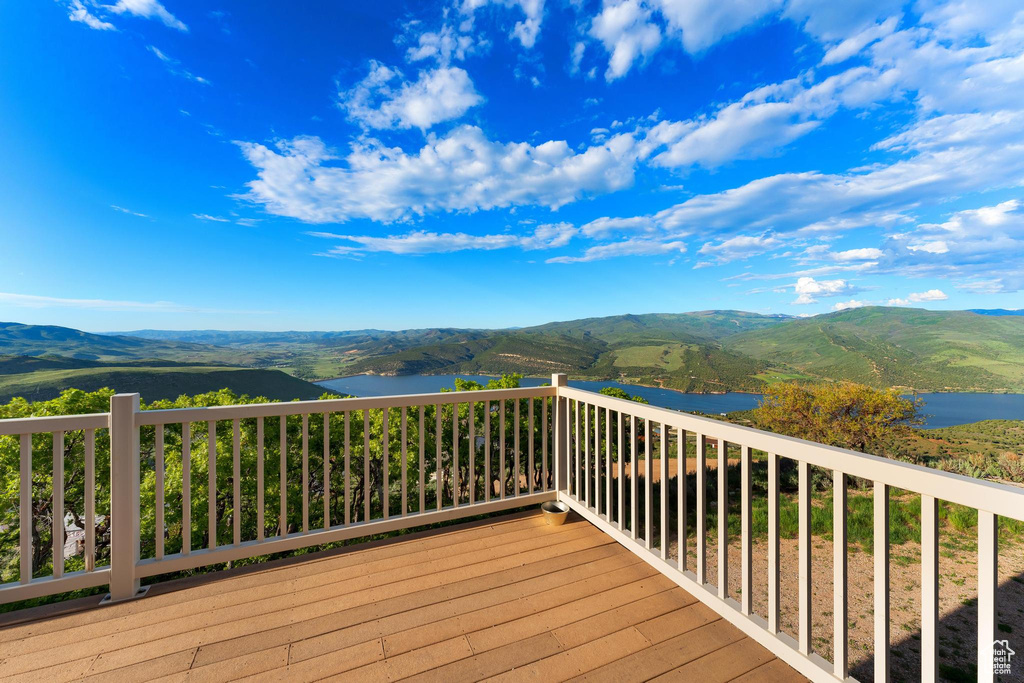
<point>39,361</point>
<point>699,326</point>
<point>906,347</point>
<point>699,351</point>
<point>246,337</point>
<point>37,340</point>
<point>166,380</point>
<point>676,350</point>
<point>735,350</point>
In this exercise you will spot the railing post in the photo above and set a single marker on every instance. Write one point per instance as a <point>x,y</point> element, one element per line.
<point>561,423</point>
<point>988,587</point>
<point>124,498</point>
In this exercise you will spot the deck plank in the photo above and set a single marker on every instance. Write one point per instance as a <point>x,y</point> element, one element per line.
<point>409,630</point>
<point>616,619</point>
<point>725,664</point>
<point>773,671</point>
<point>507,598</point>
<point>347,571</point>
<point>303,612</point>
<point>586,657</point>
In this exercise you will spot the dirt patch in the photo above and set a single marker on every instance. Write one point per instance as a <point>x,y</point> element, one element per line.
<point>958,585</point>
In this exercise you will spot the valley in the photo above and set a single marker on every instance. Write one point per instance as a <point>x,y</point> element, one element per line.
<point>700,352</point>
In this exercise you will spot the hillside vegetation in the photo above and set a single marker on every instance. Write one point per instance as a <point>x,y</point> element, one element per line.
<point>41,379</point>
<point>704,351</point>
<point>36,340</point>
<point>678,351</point>
<point>499,353</point>
<point>733,350</point>
<point>905,347</point>
<point>701,326</point>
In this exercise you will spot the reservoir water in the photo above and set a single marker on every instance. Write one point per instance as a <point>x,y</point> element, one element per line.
<point>941,410</point>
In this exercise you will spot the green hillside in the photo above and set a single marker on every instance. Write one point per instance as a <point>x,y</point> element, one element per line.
<point>686,327</point>
<point>169,381</point>
<point>701,351</point>
<point>501,352</point>
<point>907,347</point>
<point>308,355</point>
<point>40,340</point>
<point>653,356</point>
<point>242,338</point>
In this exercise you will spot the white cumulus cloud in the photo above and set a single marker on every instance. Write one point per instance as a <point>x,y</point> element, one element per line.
<point>807,288</point>
<point>384,99</point>
<point>461,171</point>
<point>847,305</point>
<point>920,297</point>
<point>625,29</point>
<point>148,9</point>
<point>699,24</point>
<point>525,30</point>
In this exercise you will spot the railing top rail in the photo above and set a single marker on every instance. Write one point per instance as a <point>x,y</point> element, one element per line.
<point>1001,499</point>
<point>334,405</point>
<point>53,423</point>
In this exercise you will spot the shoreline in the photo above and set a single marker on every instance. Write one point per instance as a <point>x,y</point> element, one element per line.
<point>578,379</point>
<point>649,386</point>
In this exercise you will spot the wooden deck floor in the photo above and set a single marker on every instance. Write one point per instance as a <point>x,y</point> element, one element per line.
<point>506,598</point>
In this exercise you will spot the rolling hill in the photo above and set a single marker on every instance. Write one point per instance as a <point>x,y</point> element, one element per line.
<point>701,351</point>
<point>733,350</point>
<point>700,326</point>
<point>37,340</point>
<point>679,351</point>
<point>38,379</point>
<point>244,338</point>
<point>904,347</point>
<point>500,352</point>
<point>307,355</point>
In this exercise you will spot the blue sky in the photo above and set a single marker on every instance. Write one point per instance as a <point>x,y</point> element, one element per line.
<point>253,165</point>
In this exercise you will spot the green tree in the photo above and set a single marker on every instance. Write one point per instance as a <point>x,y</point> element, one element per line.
<point>323,482</point>
<point>616,392</point>
<point>487,453</point>
<point>70,402</point>
<point>844,414</point>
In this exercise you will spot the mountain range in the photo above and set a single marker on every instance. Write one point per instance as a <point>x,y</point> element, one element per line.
<point>699,351</point>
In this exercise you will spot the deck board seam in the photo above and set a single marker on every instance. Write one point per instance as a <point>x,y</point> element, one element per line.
<point>759,666</point>
<point>497,557</point>
<point>612,609</point>
<point>524,522</point>
<point>442,620</point>
<point>466,635</point>
<point>561,646</point>
<point>719,649</point>
<point>440,600</point>
<point>471,612</point>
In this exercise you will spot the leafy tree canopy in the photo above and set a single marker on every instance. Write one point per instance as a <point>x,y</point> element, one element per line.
<point>616,392</point>
<point>844,414</point>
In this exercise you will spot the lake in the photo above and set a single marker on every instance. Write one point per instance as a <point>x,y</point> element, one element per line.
<point>941,410</point>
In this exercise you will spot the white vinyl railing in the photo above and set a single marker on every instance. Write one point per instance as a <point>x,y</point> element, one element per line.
<point>313,472</point>
<point>455,454</point>
<point>608,440</point>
